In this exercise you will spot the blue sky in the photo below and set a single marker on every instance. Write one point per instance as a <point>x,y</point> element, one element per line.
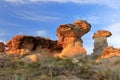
<point>42,17</point>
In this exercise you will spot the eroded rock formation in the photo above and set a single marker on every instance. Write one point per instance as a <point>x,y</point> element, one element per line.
<point>20,44</point>
<point>69,36</point>
<point>25,44</point>
<point>100,41</point>
<point>109,52</point>
<point>69,42</point>
<point>2,47</point>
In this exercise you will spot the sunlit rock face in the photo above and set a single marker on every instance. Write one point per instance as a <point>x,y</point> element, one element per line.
<point>102,33</point>
<point>69,36</point>
<point>69,43</point>
<point>2,47</point>
<point>109,52</point>
<point>21,44</point>
<point>100,41</point>
<point>68,33</point>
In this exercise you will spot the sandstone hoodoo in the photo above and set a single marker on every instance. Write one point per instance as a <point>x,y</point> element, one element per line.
<point>2,47</point>
<point>69,36</point>
<point>100,41</point>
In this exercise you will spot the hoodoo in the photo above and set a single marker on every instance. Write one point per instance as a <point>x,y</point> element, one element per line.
<point>69,35</point>
<point>100,41</point>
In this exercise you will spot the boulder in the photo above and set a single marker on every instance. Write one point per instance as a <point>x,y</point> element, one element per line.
<point>71,52</point>
<point>100,41</point>
<point>2,47</point>
<point>69,36</point>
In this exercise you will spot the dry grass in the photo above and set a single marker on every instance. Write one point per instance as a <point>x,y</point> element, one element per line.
<point>50,68</point>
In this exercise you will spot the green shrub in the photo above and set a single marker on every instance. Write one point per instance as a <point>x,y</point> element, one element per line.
<point>49,68</point>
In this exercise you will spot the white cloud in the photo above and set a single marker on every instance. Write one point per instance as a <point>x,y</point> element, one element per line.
<point>110,3</point>
<point>9,23</point>
<point>115,38</point>
<point>28,15</point>
<point>42,33</point>
<point>2,41</point>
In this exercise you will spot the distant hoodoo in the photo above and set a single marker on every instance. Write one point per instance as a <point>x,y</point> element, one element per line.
<point>100,41</point>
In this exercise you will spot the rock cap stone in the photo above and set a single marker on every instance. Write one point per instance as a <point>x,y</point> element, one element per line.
<point>77,29</point>
<point>102,33</point>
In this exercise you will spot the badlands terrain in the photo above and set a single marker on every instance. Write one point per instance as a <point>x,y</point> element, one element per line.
<point>37,58</point>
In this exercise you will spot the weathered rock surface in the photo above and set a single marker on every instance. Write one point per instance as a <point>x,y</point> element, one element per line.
<point>69,36</point>
<point>69,41</point>
<point>100,41</point>
<point>109,52</point>
<point>102,33</point>
<point>25,44</point>
<point>2,47</point>
<point>69,33</point>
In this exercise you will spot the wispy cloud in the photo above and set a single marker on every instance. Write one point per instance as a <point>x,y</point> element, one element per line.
<point>34,16</point>
<point>92,19</point>
<point>9,23</point>
<point>110,3</point>
<point>1,41</point>
<point>44,33</point>
<point>115,38</point>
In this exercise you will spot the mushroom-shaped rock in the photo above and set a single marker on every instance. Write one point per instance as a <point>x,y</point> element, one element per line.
<point>100,41</point>
<point>2,47</point>
<point>109,52</point>
<point>69,35</point>
<point>77,29</point>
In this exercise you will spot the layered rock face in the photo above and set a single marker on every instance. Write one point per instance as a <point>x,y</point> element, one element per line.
<point>2,47</point>
<point>109,52</point>
<point>25,44</point>
<point>100,41</point>
<point>69,36</point>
